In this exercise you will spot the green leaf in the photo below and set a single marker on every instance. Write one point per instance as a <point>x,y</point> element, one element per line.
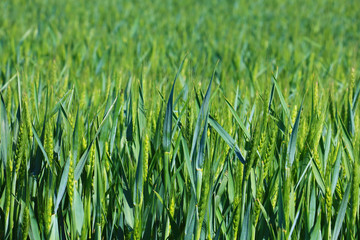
<point>293,137</point>
<point>201,151</point>
<point>351,123</point>
<point>227,138</point>
<point>78,211</point>
<point>201,117</point>
<point>7,83</point>
<point>75,137</point>
<point>129,116</point>
<point>62,186</point>
<point>190,218</point>
<point>347,141</point>
<point>282,100</point>
<point>312,209</point>
<point>316,231</point>
<point>246,225</point>
<point>355,99</point>
<point>34,227</point>
<point>138,185</point>
<point>281,212</point>
<point>200,158</point>
<point>231,188</point>
<point>267,219</point>
<point>271,97</point>
<point>218,231</point>
<point>4,133</point>
<point>141,111</point>
<point>128,212</point>
<point>188,164</point>
<point>237,118</point>
<point>327,146</point>
<point>341,213</point>
<point>168,115</point>
<point>319,179</point>
<point>335,175</point>
<point>294,223</point>
<point>54,232</point>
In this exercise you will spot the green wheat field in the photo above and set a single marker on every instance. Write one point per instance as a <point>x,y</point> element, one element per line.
<point>171,119</point>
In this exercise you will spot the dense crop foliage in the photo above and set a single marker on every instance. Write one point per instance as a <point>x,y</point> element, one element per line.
<point>179,119</point>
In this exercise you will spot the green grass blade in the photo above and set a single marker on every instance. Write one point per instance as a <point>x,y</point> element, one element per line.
<point>246,225</point>
<point>341,213</point>
<point>34,227</point>
<point>336,171</point>
<point>237,118</point>
<point>227,138</point>
<point>201,116</point>
<point>282,100</point>
<point>4,133</point>
<point>168,115</point>
<point>62,185</point>
<point>293,138</point>
<point>319,179</point>
<point>78,211</point>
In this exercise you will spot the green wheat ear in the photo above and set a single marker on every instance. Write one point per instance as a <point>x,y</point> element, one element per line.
<point>70,183</point>
<point>274,197</point>
<point>8,187</point>
<point>339,190</point>
<point>8,100</point>
<point>25,223</point>
<point>237,200</point>
<point>106,154</point>
<point>137,228</point>
<point>146,157</point>
<point>293,115</point>
<point>20,148</point>
<point>49,142</point>
<point>47,213</point>
<point>172,208</point>
<point>269,150</point>
<point>352,85</point>
<point>328,199</point>
<point>316,99</point>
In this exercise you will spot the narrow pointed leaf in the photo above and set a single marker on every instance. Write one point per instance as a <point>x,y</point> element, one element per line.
<point>237,118</point>
<point>293,137</point>
<point>341,213</point>
<point>227,138</point>
<point>168,115</point>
